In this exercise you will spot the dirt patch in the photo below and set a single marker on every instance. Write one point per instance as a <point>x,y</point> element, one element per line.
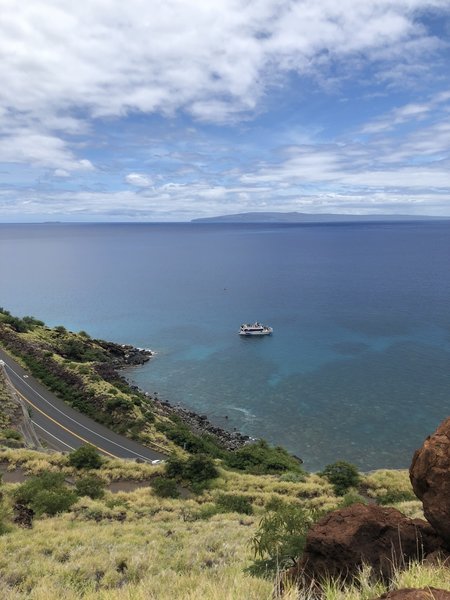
<point>16,476</point>
<point>123,485</point>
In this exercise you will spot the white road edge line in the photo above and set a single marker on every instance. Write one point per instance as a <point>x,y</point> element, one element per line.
<point>79,424</point>
<point>53,436</point>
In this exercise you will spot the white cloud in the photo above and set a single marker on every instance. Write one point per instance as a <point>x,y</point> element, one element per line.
<point>70,70</point>
<point>408,113</point>
<point>138,180</point>
<point>213,59</point>
<point>26,145</point>
<point>61,173</point>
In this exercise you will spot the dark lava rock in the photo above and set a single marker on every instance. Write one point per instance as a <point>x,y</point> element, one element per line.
<point>416,594</point>
<point>23,516</point>
<point>340,543</point>
<point>430,478</point>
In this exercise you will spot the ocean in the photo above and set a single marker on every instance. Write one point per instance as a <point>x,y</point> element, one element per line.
<point>358,366</point>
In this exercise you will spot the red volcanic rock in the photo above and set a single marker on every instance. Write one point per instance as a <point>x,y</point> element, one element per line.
<point>416,594</point>
<point>430,478</point>
<point>341,542</point>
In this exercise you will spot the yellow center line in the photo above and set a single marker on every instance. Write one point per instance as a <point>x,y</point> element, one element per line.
<point>63,427</point>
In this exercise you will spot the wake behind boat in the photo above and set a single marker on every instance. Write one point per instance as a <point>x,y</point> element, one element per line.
<point>248,329</point>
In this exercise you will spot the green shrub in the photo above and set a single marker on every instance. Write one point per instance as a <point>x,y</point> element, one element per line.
<point>46,493</point>
<point>342,475</point>
<point>181,435</point>
<point>85,457</point>
<point>11,434</point>
<point>196,471</point>
<point>52,502</point>
<point>260,458</point>
<point>32,322</point>
<point>174,467</point>
<point>165,488</point>
<point>352,497</point>
<point>199,469</point>
<point>91,486</point>
<point>235,503</point>
<point>280,539</point>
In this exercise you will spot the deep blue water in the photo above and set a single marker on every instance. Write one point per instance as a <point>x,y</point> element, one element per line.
<point>358,367</point>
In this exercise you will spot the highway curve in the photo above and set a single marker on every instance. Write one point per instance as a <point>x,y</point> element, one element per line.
<point>64,428</point>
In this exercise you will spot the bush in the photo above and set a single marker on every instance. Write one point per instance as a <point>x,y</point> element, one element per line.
<point>11,434</point>
<point>174,467</point>
<point>46,493</point>
<point>342,475</point>
<point>181,435</point>
<point>260,458</point>
<point>53,502</point>
<point>352,497</point>
<point>280,539</point>
<point>235,503</point>
<point>91,486</point>
<point>85,457</point>
<point>165,488</point>
<point>197,470</point>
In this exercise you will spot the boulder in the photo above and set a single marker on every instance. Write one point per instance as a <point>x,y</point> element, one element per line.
<point>430,478</point>
<point>340,543</point>
<point>416,594</point>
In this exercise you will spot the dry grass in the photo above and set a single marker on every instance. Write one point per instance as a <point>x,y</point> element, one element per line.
<point>33,462</point>
<point>136,546</point>
<point>149,558</point>
<point>163,558</point>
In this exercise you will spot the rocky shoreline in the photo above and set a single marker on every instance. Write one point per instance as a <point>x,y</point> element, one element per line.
<point>199,424</point>
<point>129,356</point>
<point>125,355</point>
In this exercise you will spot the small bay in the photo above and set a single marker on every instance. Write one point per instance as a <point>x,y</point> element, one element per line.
<point>358,367</point>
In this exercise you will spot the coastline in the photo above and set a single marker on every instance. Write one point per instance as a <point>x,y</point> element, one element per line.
<point>131,357</point>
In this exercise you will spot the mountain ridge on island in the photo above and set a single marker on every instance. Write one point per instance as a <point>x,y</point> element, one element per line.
<point>297,217</point>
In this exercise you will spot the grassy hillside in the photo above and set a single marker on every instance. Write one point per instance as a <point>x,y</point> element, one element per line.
<point>131,539</point>
<point>138,545</point>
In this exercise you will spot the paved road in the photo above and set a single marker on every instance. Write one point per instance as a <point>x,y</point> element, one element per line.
<point>64,428</point>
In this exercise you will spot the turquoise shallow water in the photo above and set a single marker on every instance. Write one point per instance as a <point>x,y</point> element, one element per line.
<point>357,368</point>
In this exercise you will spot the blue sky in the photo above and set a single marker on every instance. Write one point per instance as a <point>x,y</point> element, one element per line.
<point>166,111</point>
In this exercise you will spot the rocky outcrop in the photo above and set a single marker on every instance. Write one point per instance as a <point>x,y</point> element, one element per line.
<point>343,541</point>
<point>430,478</point>
<point>200,425</point>
<point>416,594</point>
<point>23,516</point>
<point>124,355</point>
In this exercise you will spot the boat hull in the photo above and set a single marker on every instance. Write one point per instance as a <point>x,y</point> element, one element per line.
<point>255,333</point>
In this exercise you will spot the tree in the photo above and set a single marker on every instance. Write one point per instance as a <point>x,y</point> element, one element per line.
<point>85,457</point>
<point>342,475</point>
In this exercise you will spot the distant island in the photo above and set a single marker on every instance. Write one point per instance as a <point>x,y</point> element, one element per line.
<point>296,217</point>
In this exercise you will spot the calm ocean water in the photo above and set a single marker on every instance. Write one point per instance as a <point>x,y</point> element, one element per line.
<point>358,367</point>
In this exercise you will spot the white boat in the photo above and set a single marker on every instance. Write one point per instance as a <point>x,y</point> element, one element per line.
<point>254,329</point>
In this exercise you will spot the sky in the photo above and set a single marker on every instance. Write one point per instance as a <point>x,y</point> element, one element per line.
<point>168,110</point>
